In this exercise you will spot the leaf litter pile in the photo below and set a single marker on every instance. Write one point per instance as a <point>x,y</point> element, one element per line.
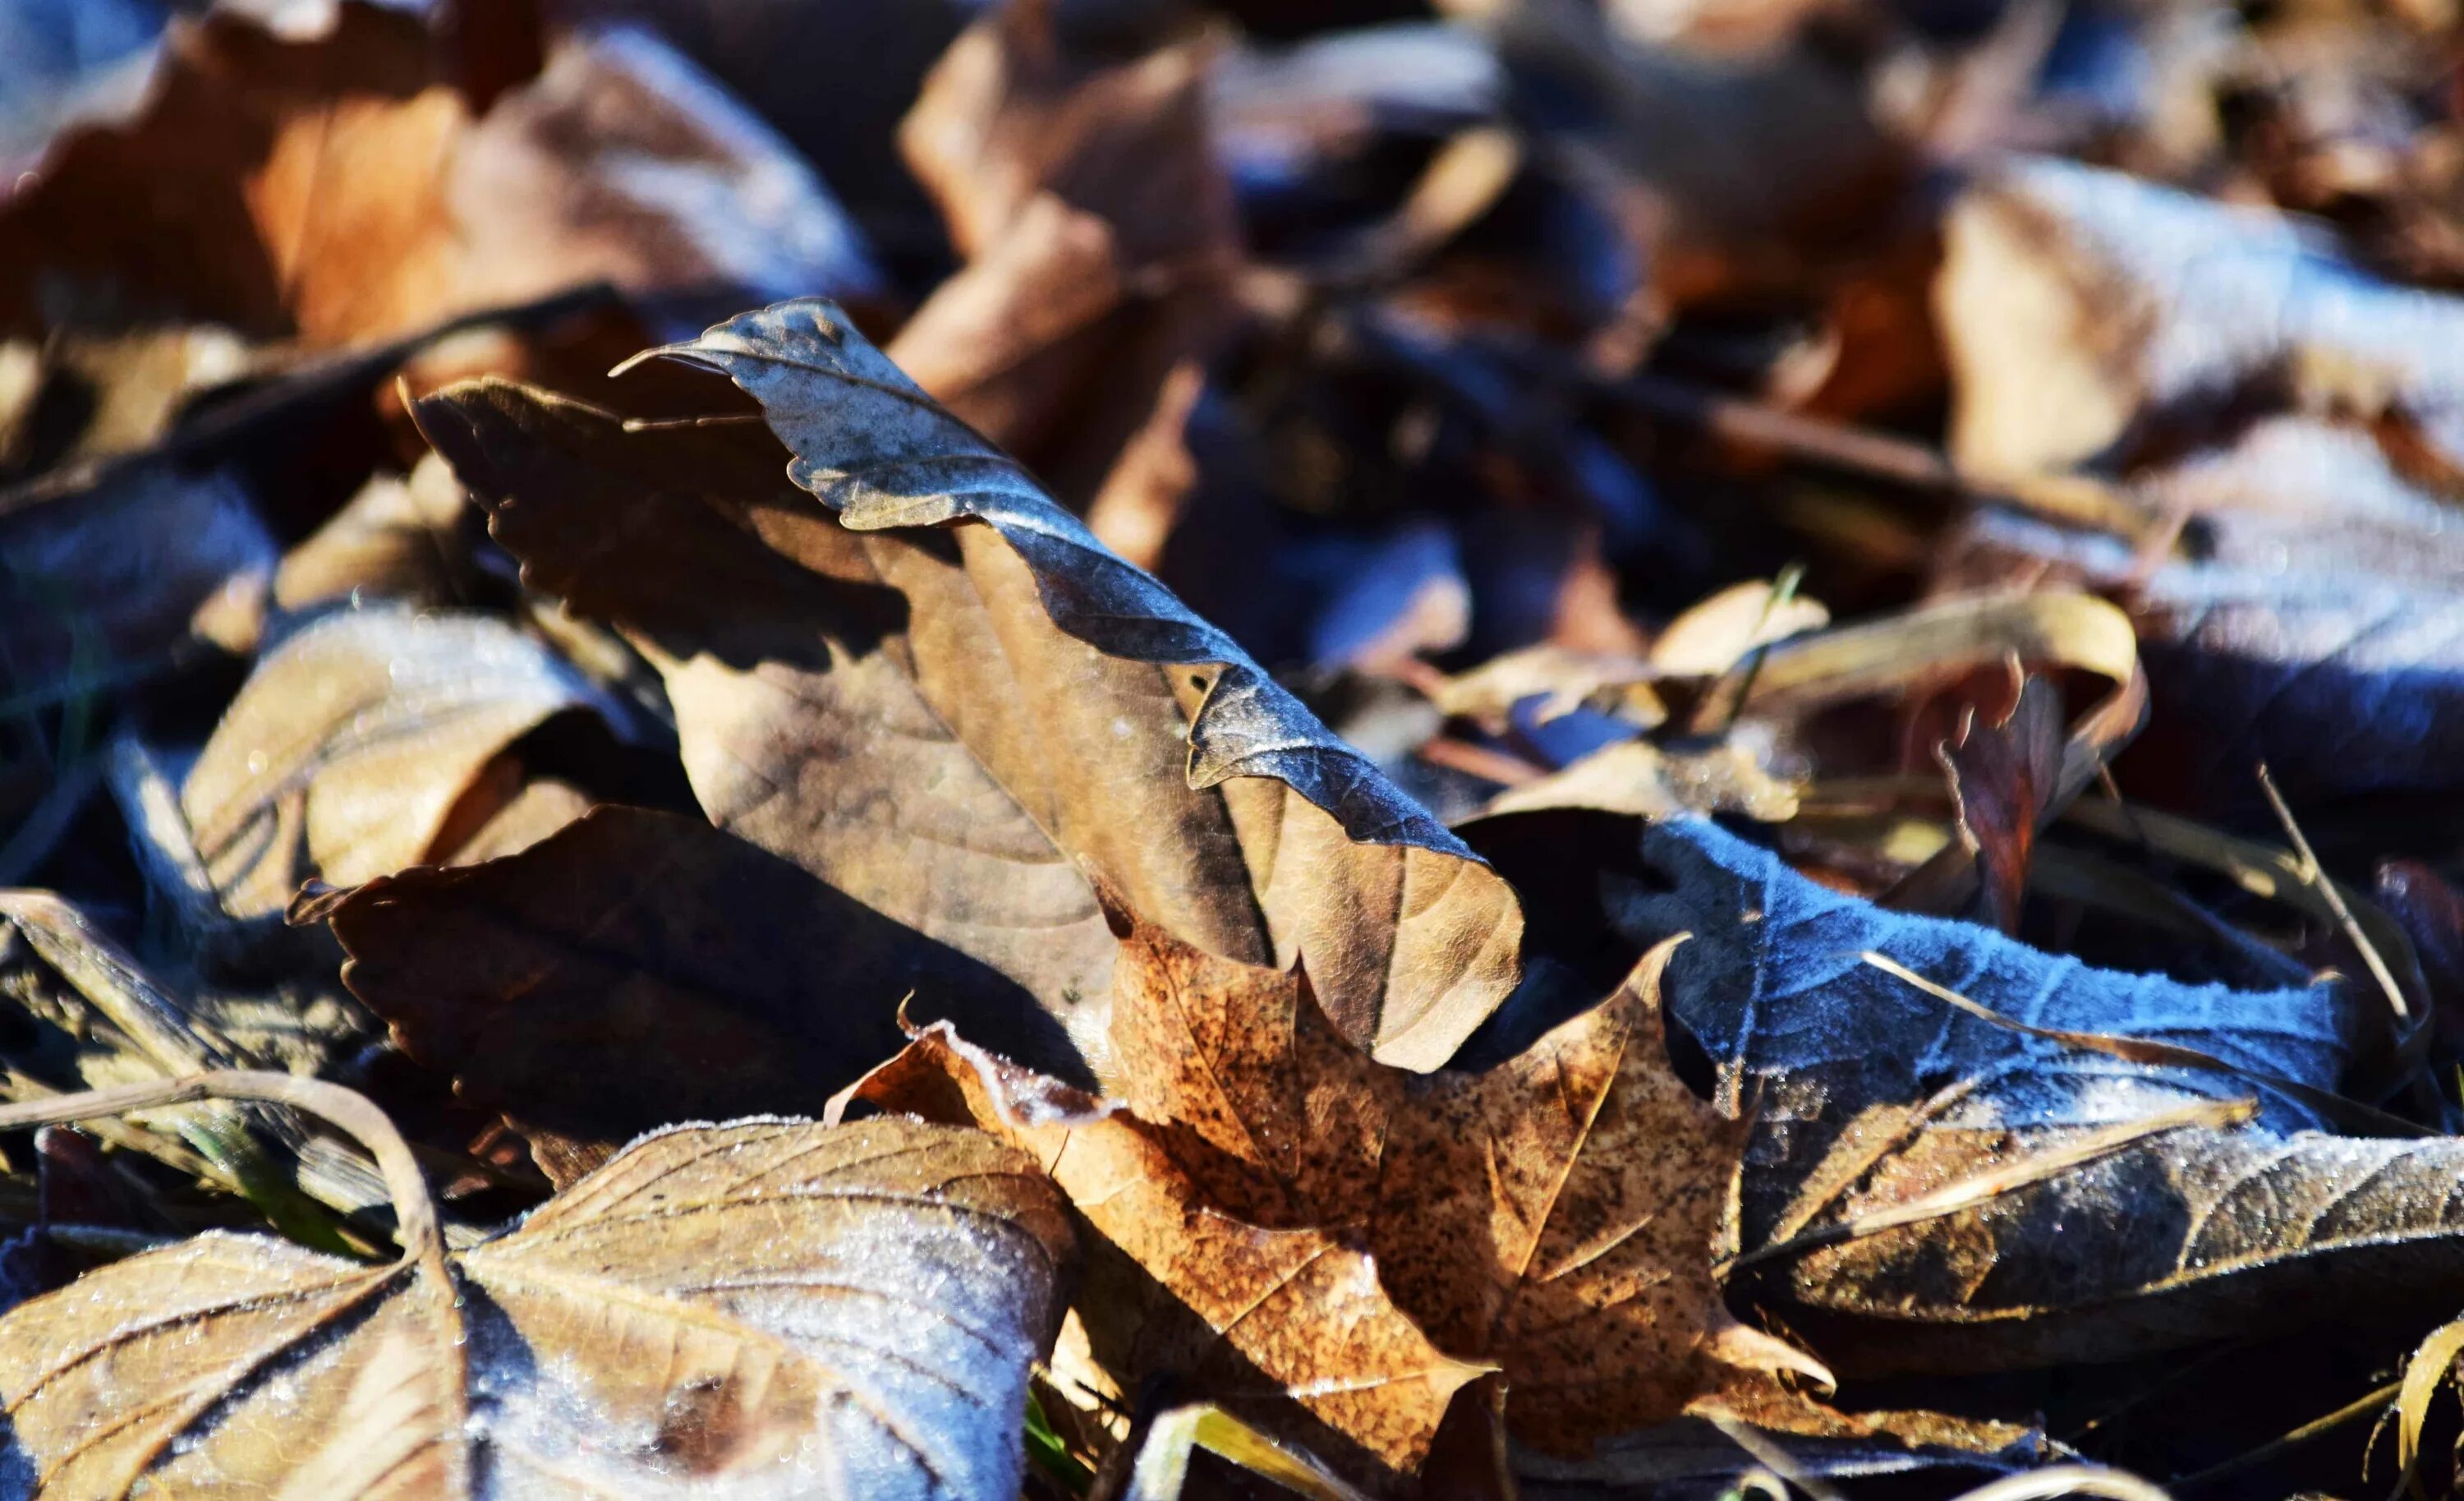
<point>1123,748</point>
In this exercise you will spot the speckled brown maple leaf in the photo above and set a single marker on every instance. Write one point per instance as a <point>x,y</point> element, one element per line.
<point>1554,1219</point>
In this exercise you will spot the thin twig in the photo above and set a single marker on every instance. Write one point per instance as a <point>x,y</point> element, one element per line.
<point>415,1220</point>
<point>2075,498</point>
<point>2361,1406</point>
<point>2317,881</point>
<point>1502,768</point>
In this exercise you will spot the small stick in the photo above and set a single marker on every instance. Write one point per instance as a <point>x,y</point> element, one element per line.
<point>2361,1406</point>
<point>414,1212</point>
<point>2075,498</point>
<point>1502,768</point>
<point>2317,881</point>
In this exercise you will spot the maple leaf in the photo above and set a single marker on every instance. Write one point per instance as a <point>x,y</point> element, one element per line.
<point>1556,1217</point>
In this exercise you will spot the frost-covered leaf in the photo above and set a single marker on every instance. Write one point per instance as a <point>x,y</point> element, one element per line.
<point>940,694</point>
<point>2081,304</point>
<point>1868,1092</point>
<point>65,60</point>
<point>758,1309</point>
<point>95,583</point>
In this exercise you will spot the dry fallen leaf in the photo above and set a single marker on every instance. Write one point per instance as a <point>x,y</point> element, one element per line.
<point>2303,421</point>
<point>344,755</point>
<point>937,622</point>
<point>761,1308</point>
<point>1562,679</point>
<point>398,538</point>
<point>626,973</point>
<point>2043,629</point>
<point>1635,779</point>
<point>2002,778</point>
<point>1870,1094</point>
<point>133,385</point>
<point>1743,148</point>
<point>1714,635</point>
<point>1287,1327</point>
<point>1004,344</point>
<point>332,186</point>
<point>622,161</point>
<point>1097,220</point>
<point>251,225</point>
<point>1012,110</point>
<point>1556,1217</point>
<point>771,721</point>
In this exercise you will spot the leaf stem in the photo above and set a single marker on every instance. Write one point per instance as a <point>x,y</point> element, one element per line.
<point>415,1222</point>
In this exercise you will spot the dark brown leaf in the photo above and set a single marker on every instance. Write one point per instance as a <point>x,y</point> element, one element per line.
<point>634,969</point>
<point>937,623</point>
